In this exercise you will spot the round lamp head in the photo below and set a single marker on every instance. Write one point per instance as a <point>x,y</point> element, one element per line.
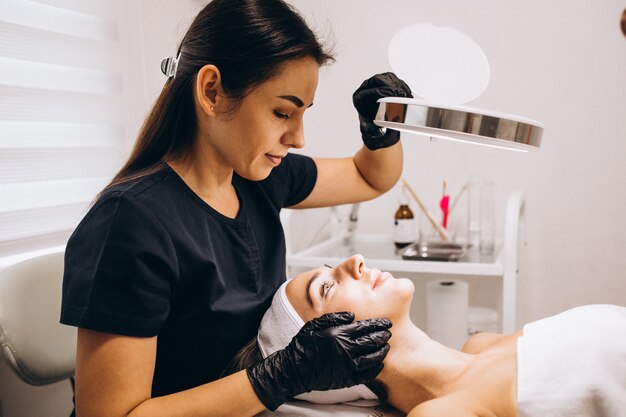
<point>459,123</point>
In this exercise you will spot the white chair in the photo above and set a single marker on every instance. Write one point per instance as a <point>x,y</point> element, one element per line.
<point>37,347</point>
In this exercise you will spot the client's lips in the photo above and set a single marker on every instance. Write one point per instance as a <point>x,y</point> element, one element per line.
<point>379,278</point>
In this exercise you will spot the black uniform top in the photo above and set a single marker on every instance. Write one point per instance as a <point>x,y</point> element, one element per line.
<point>151,258</point>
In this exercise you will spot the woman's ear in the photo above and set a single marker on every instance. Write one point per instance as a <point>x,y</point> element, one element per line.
<point>209,90</point>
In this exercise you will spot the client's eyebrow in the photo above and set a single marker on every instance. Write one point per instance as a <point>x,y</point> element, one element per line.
<point>308,287</point>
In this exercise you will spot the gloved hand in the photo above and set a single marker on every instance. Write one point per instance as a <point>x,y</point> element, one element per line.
<point>329,352</point>
<point>364,99</point>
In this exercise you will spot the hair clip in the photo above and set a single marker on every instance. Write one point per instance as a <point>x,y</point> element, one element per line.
<point>169,66</point>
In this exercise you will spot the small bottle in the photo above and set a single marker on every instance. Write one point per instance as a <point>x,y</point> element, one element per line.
<point>404,225</point>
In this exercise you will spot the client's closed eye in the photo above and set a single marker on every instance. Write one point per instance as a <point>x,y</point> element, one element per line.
<point>324,288</point>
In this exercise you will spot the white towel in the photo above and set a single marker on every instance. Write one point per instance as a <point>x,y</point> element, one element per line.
<point>307,409</point>
<point>574,364</point>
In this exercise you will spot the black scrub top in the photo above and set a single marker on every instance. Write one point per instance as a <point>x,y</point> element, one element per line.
<point>151,258</point>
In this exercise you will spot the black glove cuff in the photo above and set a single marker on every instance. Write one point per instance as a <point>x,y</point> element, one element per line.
<point>271,384</point>
<point>269,398</point>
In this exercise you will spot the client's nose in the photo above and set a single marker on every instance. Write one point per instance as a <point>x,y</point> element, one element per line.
<point>354,265</point>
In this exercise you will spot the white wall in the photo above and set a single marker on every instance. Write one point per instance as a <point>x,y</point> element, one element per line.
<point>560,62</point>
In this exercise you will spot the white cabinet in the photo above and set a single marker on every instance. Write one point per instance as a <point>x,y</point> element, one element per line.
<point>379,252</point>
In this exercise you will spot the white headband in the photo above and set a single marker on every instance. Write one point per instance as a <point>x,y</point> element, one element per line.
<point>279,325</point>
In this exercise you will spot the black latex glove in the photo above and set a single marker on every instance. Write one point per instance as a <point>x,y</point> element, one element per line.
<point>364,99</point>
<point>329,352</point>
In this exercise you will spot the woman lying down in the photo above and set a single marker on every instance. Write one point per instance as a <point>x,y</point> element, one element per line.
<point>572,364</point>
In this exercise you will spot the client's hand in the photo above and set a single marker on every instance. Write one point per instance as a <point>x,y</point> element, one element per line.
<point>329,352</point>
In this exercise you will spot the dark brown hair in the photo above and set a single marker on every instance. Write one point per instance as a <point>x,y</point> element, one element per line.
<point>247,40</point>
<point>246,357</point>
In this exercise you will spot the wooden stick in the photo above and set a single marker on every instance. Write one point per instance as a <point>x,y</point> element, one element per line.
<point>457,198</point>
<point>436,225</point>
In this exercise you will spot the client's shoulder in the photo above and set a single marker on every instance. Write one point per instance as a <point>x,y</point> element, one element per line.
<point>450,405</point>
<point>482,341</point>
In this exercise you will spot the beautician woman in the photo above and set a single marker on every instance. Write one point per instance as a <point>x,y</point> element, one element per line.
<point>171,270</point>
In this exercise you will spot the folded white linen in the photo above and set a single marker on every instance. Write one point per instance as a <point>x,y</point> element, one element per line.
<point>306,409</point>
<point>573,364</point>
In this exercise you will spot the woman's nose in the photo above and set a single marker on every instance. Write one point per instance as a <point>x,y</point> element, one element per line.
<point>355,265</point>
<point>295,137</point>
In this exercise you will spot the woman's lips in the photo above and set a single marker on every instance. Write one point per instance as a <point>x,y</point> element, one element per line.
<point>274,159</point>
<point>380,278</point>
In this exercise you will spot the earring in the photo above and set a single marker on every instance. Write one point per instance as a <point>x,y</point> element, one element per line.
<point>212,108</point>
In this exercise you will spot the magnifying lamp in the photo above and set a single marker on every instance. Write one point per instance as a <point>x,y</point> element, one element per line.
<point>447,68</point>
<point>459,123</point>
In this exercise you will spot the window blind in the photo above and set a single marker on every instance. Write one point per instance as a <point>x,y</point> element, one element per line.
<point>60,120</point>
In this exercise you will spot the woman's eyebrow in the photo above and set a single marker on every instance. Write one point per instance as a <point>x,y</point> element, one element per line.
<point>295,100</point>
<point>308,287</point>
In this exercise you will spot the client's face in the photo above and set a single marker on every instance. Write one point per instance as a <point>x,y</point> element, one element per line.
<point>350,286</point>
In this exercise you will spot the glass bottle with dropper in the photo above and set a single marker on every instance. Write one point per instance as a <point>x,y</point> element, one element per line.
<point>404,224</point>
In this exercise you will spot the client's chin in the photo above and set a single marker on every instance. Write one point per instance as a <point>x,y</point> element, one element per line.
<point>406,285</point>
<point>403,295</point>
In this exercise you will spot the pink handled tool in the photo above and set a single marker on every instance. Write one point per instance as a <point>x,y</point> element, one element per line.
<point>444,204</point>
